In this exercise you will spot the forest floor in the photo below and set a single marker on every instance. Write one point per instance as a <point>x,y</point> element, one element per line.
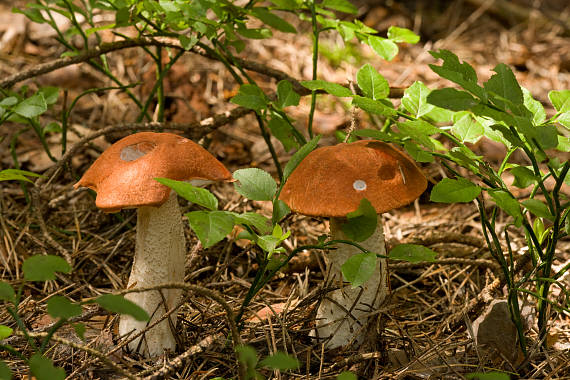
<point>421,332</point>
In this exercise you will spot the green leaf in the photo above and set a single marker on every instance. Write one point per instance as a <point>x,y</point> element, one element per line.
<point>254,33</point>
<point>50,94</point>
<point>564,119</point>
<point>9,101</point>
<point>340,5</point>
<point>452,99</point>
<point>286,4</point>
<point>534,106</point>
<point>379,107</point>
<point>384,47</point>
<point>280,210</point>
<point>361,223</point>
<point>250,96</point>
<point>420,131</point>
<point>32,106</point>
<point>504,84</point>
<point>560,100</point>
<point>563,144</point>
<point>5,373</point>
<point>461,73</point>
<point>286,96</point>
<point>121,305</point>
<point>248,357</point>
<point>330,88</point>
<point>255,184</point>
<point>546,136</point>
<point>508,204</point>
<point>359,268</point>
<point>468,129</point>
<point>33,14</point>
<point>346,375</point>
<point>43,268</point>
<point>372,84</point>
<point>5,332</point>
<point>375,134</point>
<point>280,361</point>
<point>268,243</point>
<point>273,20</point>
<point>412,253</point>
<point>398,34</point>
<point>524,177</point>
<point>493,375</point>
<point>415,100</point>
<point>16,174</point>
<point>299,156</point>
<point>283,131</point>
<point>79,329</point>
<point>417,153</point>
<point>256,220</point>
<point>210,226</point>
<point>191,193</point>
<point>43,369</point>
<point>61,307</point>
<point>122,16</point>
<point>7,292</point>
<point>454,191</point>
<point>538,208</point>
<point>186,42</point>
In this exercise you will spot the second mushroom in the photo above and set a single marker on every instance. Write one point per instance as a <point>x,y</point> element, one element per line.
<point>331,182</point>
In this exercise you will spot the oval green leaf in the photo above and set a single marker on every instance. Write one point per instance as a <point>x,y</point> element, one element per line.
<point>121,305</point>
<point>412,253</point>
<point>191,193</point>
<point>43,369</point>
<point>5,332</point>
<point>61,307</point>
<point>211,226</point>
<point>359,268</point>
<point>43,268</point>
<point>454,191</point>
<point>280,361</point>
<point>255,184</point>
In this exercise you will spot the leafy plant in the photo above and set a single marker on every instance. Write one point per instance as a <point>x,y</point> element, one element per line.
<point>41,269</point>
<point>503,111</point>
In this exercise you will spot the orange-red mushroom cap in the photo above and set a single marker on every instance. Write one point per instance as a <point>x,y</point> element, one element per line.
<point>123,176</point>
<point>331,181</point>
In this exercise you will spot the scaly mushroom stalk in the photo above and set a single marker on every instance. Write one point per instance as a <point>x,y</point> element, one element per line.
<point>159,259</point>
<point>331,182</point>
<point>344,311</point>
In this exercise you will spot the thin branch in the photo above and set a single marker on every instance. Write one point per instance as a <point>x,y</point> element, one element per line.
<point>395,92</point>
<point>450,261</point>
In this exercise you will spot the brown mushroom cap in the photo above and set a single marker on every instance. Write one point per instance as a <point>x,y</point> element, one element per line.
<point>123,176</point>
<point>331,181</point>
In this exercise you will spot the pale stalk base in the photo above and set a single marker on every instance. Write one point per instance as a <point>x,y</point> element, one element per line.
<point>159,259</point>
<point>343,313</point>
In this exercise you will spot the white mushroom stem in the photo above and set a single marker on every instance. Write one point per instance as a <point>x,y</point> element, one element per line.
<point>343,313</point>
<point>159,259</point>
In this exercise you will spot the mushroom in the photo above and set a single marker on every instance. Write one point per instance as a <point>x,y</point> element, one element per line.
<point>331,182</point>
<point>123,177</point>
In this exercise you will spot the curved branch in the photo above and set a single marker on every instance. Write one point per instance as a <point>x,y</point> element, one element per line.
<point>395,92</point>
